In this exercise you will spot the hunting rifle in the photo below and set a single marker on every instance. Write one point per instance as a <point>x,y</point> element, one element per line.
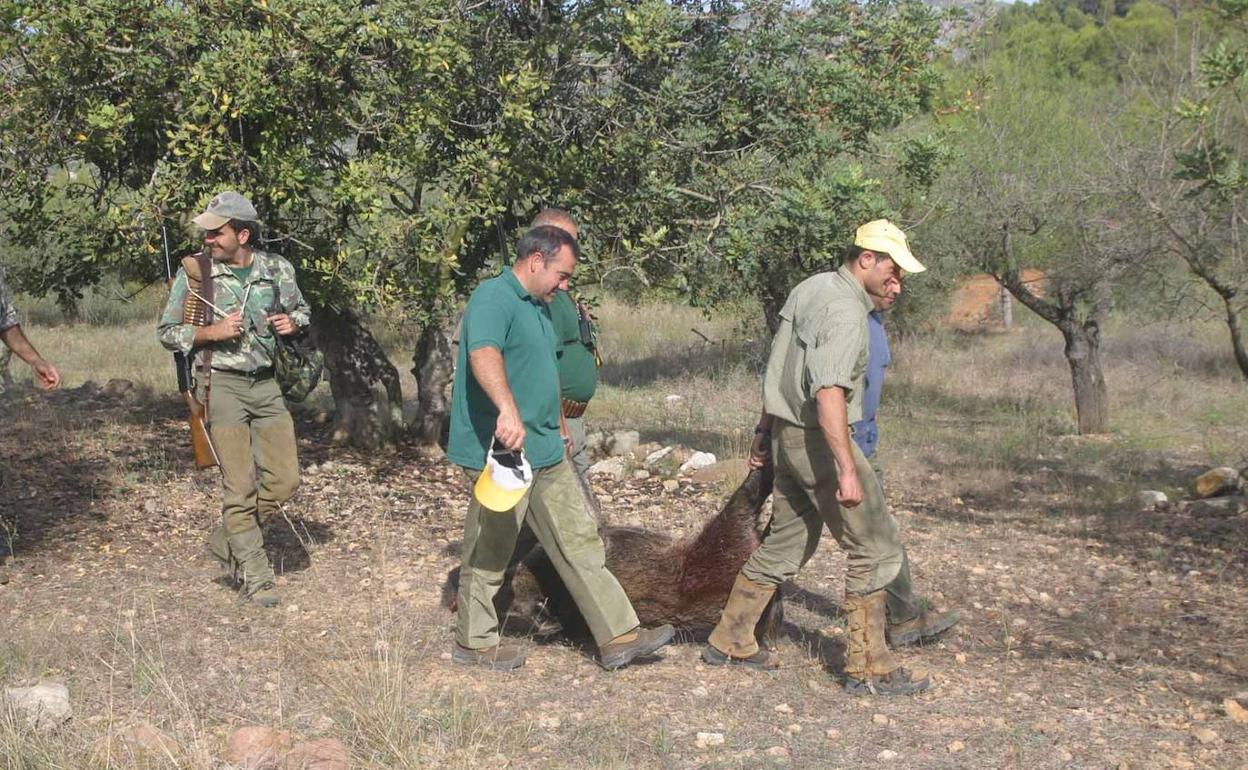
<point>194,312</point>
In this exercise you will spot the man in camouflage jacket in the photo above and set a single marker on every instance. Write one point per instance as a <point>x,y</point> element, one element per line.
<point>255,297</point>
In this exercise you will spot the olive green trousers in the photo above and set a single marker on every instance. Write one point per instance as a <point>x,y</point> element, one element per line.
<point>805,501</point>
<point>555,510</point>
<point>254,436</point>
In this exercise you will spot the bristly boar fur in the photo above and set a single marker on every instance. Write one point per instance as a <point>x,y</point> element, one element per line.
<point>684,581</point>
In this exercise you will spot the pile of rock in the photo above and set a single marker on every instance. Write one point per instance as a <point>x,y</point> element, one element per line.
<point>1217,491</point>
<point>623,456</point>
<point>1220,491</point>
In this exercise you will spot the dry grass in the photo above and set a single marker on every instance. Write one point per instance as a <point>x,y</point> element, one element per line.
<point>1002,506</point>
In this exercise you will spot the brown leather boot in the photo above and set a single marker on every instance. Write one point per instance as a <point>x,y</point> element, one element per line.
<point>499,657</point>
<point>921,630</point>
<point>733,641</point>
<point>909,621</point>
<point>869,665</point>
<point>638,643</point>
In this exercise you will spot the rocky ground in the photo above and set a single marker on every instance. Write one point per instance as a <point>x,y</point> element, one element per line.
<point>1087,641</point>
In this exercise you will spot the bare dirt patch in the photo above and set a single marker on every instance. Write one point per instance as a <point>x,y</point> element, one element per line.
<point>1089,639</point>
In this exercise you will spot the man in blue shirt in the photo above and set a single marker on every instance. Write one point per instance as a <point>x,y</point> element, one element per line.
<point>866,432</point>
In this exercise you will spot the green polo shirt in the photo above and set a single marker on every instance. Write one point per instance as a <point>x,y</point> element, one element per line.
<point>502,315</point>
<point>578,371</point>
<point>821,343</point>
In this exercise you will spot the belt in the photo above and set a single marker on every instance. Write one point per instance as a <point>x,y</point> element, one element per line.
<point>255,375</point>
<point>574,409</point>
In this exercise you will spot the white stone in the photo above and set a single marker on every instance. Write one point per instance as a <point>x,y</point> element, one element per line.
<point>658,455</point>
<point>698,461</point>
<point>622,442</point>
<point>1151,498</point>
<point>887,755</point>
<point>707,740</point>
<point>612,466</point>
<point>670,485</point>
<point>45,705</point>
<point>641,474</point>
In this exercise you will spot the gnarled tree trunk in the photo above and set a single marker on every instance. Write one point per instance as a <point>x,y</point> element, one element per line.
<point>1083,354</point>
<point>1237,335</point>
<point>1082,333</point>
<point>368,398</point>
<point>433,364</point>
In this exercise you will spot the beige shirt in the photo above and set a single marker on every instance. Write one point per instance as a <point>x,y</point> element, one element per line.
<point>821,343</point>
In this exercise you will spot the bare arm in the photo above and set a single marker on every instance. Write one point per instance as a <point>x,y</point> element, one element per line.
<point>46,374</point>
<point>834,423</point>
<point>491,375</point>
<point>760,448</point>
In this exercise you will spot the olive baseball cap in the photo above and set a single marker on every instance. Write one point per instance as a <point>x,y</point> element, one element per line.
<point>225,206</point>
<point>884,236</point>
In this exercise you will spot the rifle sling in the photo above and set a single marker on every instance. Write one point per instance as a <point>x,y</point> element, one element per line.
<point>207,287</point>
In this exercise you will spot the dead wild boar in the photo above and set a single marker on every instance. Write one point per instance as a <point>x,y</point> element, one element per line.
<point>682,581</point>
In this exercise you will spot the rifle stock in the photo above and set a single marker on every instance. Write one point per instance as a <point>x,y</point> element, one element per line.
<point>197,412</point>
<point>201,443</point>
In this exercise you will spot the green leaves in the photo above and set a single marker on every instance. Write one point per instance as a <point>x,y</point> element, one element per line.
<point>395,147</point>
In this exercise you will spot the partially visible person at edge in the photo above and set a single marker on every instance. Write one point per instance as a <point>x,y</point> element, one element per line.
<point>253,433</point>
<point>866,432</point>
<point>46,375</point>
<point>506,392</point>
<point>578,360</point>
<point>812,391</point>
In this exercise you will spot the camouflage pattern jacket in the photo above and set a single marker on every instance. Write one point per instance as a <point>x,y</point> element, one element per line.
<point>271,276</point>
<point>8,313</point>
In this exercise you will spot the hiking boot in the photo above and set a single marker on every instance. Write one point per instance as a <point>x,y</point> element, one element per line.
<point>762,660</point>
<point>247,549</point>
<point>925,628</point>
<point>218,547</point>
<point>498,657</point>
<point>919,624</point>
<point>733,639</point>
<point>898,682</point>
<point>870,667</point>
<point>639,642</point>
<point>263,595</point>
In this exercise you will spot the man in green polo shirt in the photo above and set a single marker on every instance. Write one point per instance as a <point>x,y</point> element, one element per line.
<point>812,391</point>
<point>506,393</point>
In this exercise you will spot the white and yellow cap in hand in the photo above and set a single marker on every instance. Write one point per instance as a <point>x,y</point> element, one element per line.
<point>505,479</point>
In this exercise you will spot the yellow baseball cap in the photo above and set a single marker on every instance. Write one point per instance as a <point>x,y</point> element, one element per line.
<point>505,479</point>
<point>884,236</point>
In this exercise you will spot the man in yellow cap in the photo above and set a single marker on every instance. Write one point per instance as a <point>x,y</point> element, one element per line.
<point>506,398</point>
<point>812,391</point>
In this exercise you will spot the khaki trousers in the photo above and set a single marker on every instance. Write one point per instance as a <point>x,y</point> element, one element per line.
<point>255,440</point>
<point>805,500</point>
<point>579,454</point>
<point>555,509</point>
